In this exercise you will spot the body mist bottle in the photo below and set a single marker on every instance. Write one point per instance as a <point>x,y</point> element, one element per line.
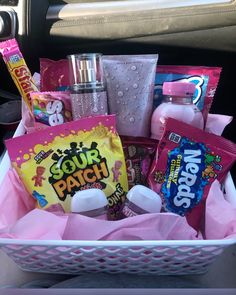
<point>88,94</point>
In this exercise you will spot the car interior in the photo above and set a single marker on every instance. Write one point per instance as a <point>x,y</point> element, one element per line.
<point>194,32</point>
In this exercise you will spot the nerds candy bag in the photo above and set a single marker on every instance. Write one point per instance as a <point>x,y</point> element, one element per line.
<point>187,162</point>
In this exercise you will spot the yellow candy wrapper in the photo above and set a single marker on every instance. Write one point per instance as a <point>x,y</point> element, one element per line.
<point>18,69</point>
<point>56,162</point>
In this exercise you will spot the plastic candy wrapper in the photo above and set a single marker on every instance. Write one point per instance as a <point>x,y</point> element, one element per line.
<point>139,154</point>
<point>56,162</point>
<point>205,78</point>
<point>51,108</point>
<point>18,69</point>
<point>187,162</point>
<point>54,74</point>
<point>36,77</point>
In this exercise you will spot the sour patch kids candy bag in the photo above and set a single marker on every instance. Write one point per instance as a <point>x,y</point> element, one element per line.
<point>56,162</point>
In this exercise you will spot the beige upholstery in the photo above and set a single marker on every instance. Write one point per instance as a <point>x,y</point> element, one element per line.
<point>203,26</point>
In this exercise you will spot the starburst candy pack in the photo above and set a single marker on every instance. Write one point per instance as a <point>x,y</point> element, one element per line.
<point>56,162</point>
<point>18,69</point>
<point>188,160</point>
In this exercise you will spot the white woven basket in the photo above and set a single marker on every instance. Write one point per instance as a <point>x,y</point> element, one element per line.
<point>150,257</point>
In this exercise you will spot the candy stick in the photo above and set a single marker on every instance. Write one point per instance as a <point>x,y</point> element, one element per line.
<point>18,69</point>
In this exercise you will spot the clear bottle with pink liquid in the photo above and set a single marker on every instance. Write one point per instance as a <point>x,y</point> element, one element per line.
<point>87,90</point>
<point>177,104</point>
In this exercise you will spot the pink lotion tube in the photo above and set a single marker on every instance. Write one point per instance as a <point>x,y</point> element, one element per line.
<point>130,86</point>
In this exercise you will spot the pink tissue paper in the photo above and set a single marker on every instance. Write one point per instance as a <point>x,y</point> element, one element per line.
<point>24,222</point>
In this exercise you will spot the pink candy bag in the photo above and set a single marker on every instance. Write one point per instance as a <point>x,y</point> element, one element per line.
<point>188,161</point>
<point>54,74</point>
<point>139,153</point>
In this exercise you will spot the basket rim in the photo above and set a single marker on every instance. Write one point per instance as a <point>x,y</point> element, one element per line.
<point>147,243</point>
